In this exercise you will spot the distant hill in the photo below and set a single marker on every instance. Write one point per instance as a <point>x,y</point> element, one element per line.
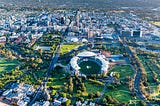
<point>96,4</point>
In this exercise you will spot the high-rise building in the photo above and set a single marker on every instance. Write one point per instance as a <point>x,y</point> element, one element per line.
<point>136,33</point>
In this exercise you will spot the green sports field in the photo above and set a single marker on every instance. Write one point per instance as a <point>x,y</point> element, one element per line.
<point>68,47</point>
<point>7,65</point>
<point>89,67</point>
<point>123,70</point>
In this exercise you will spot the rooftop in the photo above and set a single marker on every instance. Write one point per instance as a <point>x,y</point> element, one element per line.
<point>86,54</point>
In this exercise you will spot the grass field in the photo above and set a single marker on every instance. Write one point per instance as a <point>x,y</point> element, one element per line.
<point>68,47</point>
<point>57,79</point>
<point>7,65</point>
<point>122,94</point>
<point>123,70</point>
<point>148,65</point>
<point>93,88</point>
<point>56,83</point>
<point>89,67</point>
<point>150,68</point>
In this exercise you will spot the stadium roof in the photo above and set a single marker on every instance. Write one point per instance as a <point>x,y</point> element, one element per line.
<point>86,54</point>
<point>74,64</point>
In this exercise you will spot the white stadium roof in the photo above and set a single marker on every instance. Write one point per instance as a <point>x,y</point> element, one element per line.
<point>74,39</point>
<point>86,54</point>
<point>74,63</point>
<point>104,63</point>
<point>84,40</point>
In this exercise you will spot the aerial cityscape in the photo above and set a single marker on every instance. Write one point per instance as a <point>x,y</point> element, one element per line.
<point>79,53</point>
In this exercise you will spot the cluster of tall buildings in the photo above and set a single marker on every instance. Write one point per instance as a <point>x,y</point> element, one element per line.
<point>80,24</point>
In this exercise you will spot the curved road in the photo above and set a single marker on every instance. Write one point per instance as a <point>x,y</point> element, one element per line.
<point>138,90</point>
<point>137,79</point>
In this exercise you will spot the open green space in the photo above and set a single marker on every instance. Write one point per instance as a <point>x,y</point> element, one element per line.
<point>56,82</point>
<point>34,77</point>
<point>68,47</point>
<point>122,94</point>
<point>123,70</point>
<point>89,67</point>
<point>8,71</point>
<point>93,87</point>
<point>149,63</point>
<point>57,78</point>
<point>114,48</point>
<point>7,65</point>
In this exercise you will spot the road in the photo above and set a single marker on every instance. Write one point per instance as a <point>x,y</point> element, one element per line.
<point>138,90</point>
<point>54,60</point>
<point>137,78</point>
<point>52,63</point>
<point>51,66</point>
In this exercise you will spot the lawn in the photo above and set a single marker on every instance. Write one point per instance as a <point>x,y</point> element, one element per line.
<point>123,70</point>
<point>33,77</point>
<point>122,94</point>
<point>150,67</point>
<point>68,47</point>
<point>40,74</point>
<point>89,67</point>
<point>7,65</point>
<point>93,88</point>
<point>56,83</point>
<point>57,78</point>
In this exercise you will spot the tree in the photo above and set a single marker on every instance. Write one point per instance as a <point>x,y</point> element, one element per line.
<point>1,84</point>
<point>70,88</point>
<point>71,81</point>
<point>53,92</point>
<point>98,94</point>
<point>117,75</point>
<point>81,99</point>
<point>90,95</point>
<point>39,82</point>
<point>83,88</point>
<point>68,102</point>
<point>64,95</point>
<point>34,65</point>
<point>11,57</point>
<point>104,100</point>
<point>32,58</point>
<point>79,92</point>
<point>40,52</point>
<point>20,57</point>
<point>109,99</point>
<point>142,103</point>
<point>39,60</point>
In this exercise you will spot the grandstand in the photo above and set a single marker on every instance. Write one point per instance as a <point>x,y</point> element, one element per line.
<point>89,63</point>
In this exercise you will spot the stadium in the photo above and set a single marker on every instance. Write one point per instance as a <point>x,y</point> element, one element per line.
<point>88,63</point>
